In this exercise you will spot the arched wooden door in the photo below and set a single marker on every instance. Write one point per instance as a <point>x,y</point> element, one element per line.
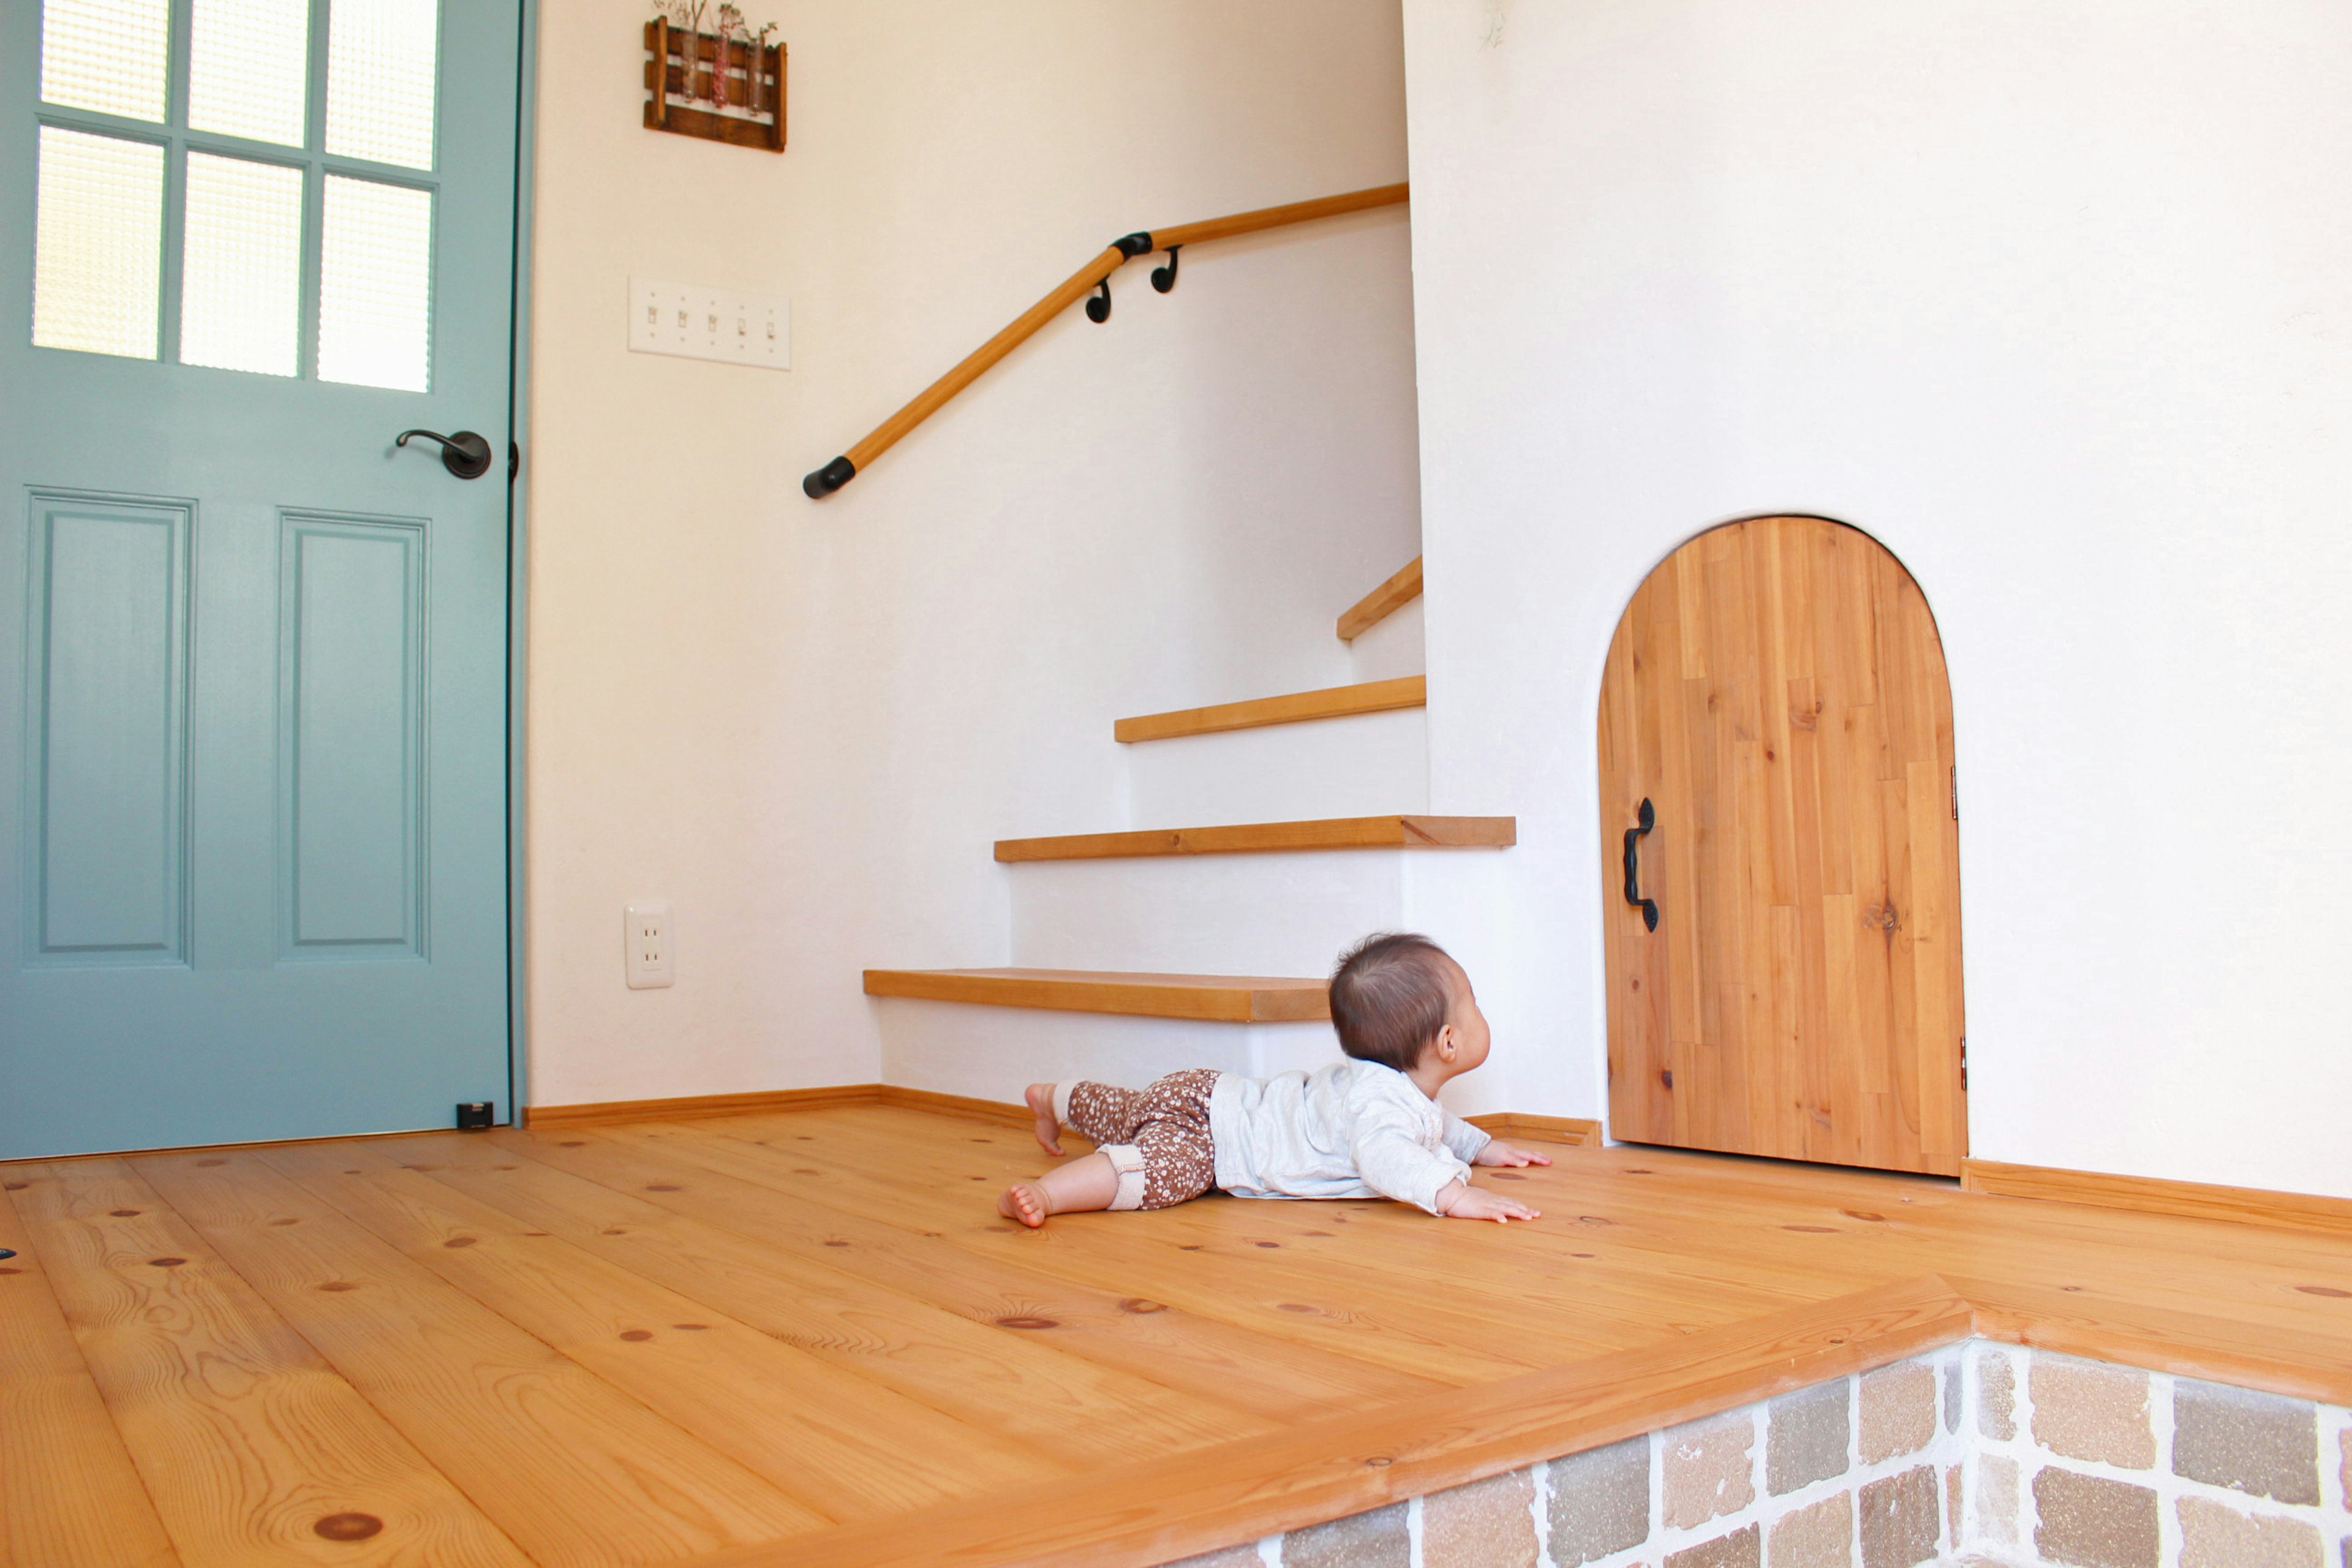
<point>1777,693</point>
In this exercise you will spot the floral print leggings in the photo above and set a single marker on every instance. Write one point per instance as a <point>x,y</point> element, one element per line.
<point>1157,1138</point>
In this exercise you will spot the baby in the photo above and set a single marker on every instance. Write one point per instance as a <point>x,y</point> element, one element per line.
<point>1367,1127</point>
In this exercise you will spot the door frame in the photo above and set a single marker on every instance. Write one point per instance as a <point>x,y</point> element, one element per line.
<point>519,565</point>
<point>1596,693</point>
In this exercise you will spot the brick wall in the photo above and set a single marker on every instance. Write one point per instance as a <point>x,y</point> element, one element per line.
<point>1979,1452</point>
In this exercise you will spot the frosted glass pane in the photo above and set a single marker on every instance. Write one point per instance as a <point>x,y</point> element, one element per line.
<point>241,266</point>
<point>380,63</point>
<point>375,285</point>
<point>107,55</point>
<point>248,68</point>
<point>96,244</point>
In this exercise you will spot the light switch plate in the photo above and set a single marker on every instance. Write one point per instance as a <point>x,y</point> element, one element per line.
<point>696,323</point>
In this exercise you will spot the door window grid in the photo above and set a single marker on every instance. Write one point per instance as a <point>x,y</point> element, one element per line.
<point>112,94</point>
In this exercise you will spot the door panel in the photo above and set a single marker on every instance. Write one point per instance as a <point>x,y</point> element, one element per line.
<point>107,630</point>
<point>349,737</point>
<point>1777,691</point>
<point>253,734</point>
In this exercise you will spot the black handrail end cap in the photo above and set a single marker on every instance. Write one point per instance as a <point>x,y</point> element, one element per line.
<point>823,483</point>
<point>1134,245</point>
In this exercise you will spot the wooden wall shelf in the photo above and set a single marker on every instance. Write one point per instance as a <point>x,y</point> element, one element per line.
<point>682,69</point>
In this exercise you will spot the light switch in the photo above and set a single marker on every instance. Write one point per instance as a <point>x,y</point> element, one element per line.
<point>696,323</point>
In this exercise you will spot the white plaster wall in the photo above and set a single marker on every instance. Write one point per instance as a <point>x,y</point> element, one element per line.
<point>804,724</point>
<point>2054,301</point>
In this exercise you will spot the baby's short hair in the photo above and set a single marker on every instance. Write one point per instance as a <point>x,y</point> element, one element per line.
<point>1389,996</point>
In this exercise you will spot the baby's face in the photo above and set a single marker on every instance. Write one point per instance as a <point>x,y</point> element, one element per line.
<point>1472,1037</point>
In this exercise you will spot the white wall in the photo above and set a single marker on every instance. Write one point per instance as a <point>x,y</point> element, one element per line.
<point>2054,301</point>
<point>803,723</point>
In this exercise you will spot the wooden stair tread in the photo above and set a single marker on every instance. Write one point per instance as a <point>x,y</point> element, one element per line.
<point>1382,602</point>
<point>1293,708</point>
<point>1214,998</point>
<point>1269,837</point>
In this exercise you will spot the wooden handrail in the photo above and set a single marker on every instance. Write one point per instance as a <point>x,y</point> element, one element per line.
<point>1118,254</point>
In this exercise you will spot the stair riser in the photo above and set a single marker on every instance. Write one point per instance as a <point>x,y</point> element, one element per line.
<point>991,1053</point>
<point>1358,766</point>
<point>1207,914</point>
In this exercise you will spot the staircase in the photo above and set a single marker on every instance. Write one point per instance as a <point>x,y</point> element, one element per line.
<point>1138,952</point>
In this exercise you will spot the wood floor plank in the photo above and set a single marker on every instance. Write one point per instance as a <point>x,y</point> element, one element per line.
<point>1392,1325</point>
<point>1495,1264</point>
<point>1495,1276</point>
<point>576,1473</point>
<point>1063,1405</point>
<point>1142,1335</point>
<point>835,1441</point>
<point>255,1451</point>
<point>854,1252</point>
<point>70,1496</point>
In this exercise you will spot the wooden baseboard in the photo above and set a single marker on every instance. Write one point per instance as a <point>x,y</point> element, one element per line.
<point>1576,1132</point>
<point>1005,1111</point>
<point>2197,1200</point>
<point>545,1118</point>
<point>542,1118</point>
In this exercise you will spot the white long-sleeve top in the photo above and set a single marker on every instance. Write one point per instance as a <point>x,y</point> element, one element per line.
<point>1352,1129</point>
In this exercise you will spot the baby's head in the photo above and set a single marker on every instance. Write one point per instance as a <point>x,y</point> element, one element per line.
<point>1401,1001</point>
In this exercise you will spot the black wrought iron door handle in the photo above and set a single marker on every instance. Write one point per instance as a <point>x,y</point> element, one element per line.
<point>1649,907</point>
<point>464,454</point>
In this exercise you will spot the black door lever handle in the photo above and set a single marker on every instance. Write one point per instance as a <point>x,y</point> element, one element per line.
<point>1649,907</point>
<point>466,455</point>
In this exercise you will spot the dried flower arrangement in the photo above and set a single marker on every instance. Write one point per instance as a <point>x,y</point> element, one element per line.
<point>723,81</point>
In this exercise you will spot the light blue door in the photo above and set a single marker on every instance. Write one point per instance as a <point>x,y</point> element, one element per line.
<point>252,863</point>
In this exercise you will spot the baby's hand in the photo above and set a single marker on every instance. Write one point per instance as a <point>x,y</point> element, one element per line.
<point>1497,1153</point>
<point>1460,1200</point>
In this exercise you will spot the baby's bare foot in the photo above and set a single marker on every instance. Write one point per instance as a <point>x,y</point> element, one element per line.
<point>1025,1202</point>
<point>1041,1106</point>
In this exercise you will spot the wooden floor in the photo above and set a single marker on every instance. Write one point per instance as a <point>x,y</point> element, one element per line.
<point>666,1341</point>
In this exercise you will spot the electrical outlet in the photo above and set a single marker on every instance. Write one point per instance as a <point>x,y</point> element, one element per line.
<point>698,322</point>
<point>651,962</point>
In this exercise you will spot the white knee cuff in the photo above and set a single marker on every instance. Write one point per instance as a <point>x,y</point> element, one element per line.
<point>1128,1160</point>
<point>1062,1104</point>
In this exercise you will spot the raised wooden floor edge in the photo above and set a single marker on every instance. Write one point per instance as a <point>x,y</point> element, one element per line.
<point>1203,1500</point>
<point>1272,837</point>
<point>1382,602</point>
<point>2154,1195</point>
<point>1291,707</point>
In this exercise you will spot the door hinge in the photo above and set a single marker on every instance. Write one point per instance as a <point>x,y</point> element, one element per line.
<point>1964,1064</point>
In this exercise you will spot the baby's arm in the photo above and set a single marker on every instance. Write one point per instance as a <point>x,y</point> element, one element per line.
<point>1391,1161</point>
<point>1497,1153</point>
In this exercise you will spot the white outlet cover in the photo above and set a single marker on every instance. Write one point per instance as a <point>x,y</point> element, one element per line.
<point>649,959</point>
<point>695,321</point>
